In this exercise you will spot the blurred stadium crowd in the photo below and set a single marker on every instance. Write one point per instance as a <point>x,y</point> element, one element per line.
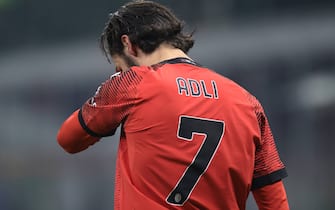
<point>283,51</point>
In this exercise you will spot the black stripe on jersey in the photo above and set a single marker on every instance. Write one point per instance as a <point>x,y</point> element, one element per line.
<point>88,130</point>
<point>176,61</point>
<point>268,179</point>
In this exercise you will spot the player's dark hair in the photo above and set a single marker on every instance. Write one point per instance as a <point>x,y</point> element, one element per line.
<point>148,24</point>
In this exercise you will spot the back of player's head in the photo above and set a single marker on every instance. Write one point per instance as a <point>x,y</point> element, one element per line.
<point>148,24</point>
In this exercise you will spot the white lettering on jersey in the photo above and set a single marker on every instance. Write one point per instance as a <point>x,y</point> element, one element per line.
<point>197,88</point>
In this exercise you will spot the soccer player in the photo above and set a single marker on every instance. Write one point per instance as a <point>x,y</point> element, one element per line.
<point>190,138</point>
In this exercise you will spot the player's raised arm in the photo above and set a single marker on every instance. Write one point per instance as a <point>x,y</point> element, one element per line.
<point>72,137</point>
<point>101,115</point>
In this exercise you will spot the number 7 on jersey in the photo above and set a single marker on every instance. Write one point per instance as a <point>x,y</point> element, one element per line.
<point>213,131</point>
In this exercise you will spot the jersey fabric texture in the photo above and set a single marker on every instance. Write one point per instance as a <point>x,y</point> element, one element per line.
<point>190,138</point>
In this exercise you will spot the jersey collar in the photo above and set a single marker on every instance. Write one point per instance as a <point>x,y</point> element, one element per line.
<point>176,61</point>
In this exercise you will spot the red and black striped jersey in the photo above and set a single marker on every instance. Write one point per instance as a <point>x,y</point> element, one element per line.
<point>190,138</point>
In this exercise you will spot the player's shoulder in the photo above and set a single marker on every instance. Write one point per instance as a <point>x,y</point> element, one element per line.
<point>131,76</point>
<point>120,82</point>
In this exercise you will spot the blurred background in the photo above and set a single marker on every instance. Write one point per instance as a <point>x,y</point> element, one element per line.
<point>282,51</point>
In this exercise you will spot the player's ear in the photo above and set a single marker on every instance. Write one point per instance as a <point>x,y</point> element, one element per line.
<point>129,48</point>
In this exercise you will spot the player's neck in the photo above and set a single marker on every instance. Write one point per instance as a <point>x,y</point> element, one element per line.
<point>162,53</point>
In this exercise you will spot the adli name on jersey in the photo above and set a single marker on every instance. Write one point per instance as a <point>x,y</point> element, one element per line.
<point>197,88</point>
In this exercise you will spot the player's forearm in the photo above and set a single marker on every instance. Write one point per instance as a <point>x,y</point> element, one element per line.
<point>271,197</point>
<point>72,137</point>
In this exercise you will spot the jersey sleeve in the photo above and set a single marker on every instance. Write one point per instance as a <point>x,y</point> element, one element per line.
<point>271,196</point>
<point>268,167</point>
<point>72,137</point>
<point>104,112</point>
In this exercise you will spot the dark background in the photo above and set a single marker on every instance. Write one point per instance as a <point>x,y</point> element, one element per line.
<point>281,51</point>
